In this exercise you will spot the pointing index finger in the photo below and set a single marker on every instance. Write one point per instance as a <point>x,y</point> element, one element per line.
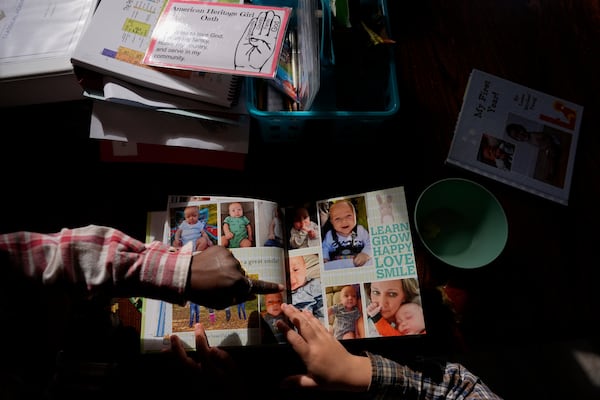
<point>258,286</point>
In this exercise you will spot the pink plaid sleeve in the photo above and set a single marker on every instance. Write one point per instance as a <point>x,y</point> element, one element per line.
<point>98,258</point>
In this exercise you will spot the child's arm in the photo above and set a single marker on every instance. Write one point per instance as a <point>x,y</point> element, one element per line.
<point>313,232</point>
<point>272,229</point>
<point>226,231</point>
<point>361,258</point>
<point>373,309</point>
<point>325,248</point>
<point>208,240</point>
<point>249,230</point>
<point>177,240</point>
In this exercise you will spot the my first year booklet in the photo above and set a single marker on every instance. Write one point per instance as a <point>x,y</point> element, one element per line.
<point>349,260</point>
<point>516,135</point>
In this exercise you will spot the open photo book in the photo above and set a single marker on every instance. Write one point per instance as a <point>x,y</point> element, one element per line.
<point>349,260</point>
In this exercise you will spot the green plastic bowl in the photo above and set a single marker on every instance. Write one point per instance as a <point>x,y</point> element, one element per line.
<point>461,223</point>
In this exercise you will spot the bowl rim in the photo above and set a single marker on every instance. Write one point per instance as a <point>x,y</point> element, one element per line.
<point>484,189</point>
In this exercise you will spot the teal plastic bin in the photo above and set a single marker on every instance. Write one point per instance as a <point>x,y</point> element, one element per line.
<point>357,91</point>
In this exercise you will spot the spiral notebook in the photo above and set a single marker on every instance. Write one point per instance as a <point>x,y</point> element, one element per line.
<point>114,45</point>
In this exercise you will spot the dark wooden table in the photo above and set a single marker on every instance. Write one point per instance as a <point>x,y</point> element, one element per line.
<point>524,313</point>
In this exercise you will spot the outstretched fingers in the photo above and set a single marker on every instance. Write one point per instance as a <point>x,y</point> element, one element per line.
<point>202,346</point>
<point>178,349</point>
<point>307,325</point>
<point>309,330</point>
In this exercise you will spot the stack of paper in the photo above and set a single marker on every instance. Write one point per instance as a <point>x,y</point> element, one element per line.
<point>159,132</point>
<point>37,39</point>
<point>150,114</point>
<point>165,73</point>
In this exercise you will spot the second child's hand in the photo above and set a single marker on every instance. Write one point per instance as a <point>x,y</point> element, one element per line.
<point>214,366</point>
<point>322,354</point>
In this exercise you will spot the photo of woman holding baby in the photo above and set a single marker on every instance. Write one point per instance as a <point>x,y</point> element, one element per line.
<point>394,308</point>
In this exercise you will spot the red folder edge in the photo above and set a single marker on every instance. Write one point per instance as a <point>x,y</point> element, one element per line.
<point>161,154</point>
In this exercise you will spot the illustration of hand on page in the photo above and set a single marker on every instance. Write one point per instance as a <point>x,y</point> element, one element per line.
<point>258,42</point>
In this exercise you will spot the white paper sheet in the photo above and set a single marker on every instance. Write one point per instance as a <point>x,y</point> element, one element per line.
<point>137,125</point>
<point>38,37</point>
